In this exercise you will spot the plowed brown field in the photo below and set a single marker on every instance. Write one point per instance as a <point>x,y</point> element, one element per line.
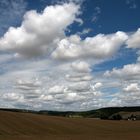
<point>28,126</point>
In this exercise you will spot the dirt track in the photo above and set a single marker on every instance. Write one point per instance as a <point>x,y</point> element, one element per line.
<point>27,126</point>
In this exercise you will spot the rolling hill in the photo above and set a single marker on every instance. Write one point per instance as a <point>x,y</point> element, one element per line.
<point>30,126</point>
<point>102,113</point>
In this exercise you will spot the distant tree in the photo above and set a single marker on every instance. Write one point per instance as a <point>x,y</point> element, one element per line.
<point>103,116</point>
<point>117,117</point>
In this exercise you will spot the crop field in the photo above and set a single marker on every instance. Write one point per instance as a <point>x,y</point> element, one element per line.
<point>28,126</point>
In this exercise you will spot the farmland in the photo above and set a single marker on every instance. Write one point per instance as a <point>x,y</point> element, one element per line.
<point>29,126</point>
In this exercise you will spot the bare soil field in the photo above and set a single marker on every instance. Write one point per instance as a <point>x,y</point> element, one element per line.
<point>28,126</point>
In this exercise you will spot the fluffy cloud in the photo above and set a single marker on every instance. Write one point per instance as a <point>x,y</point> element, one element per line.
<point>130,71</point>
<point>98,85</point>
<point>134,40</point>
<point>78,77</point>
<point>99,47</point>
<point>129,96</point>
<point>65,79</point>
<point>30,88</point>
<point>30,40</point>
<point>127,93</point>
<point>71,98</point>
<point>29,83</point>
<point>12,97</point>
<point>81,67</point>
<point>57,89</point>
<point>79,87</point>
<point>133,87</point>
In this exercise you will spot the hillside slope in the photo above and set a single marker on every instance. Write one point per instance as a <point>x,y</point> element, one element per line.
<point>103,113</point>
<point>28,126</point>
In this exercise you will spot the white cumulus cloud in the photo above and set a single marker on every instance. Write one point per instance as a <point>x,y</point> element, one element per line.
<point>39,31</point>
<point>133,87</point>
<point>134,40</point>
<point>99,47</point>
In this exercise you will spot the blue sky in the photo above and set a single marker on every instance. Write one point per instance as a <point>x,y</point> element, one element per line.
<point>69,55</point>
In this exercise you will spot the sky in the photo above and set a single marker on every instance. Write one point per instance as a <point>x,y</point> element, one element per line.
<point>72,55</point>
